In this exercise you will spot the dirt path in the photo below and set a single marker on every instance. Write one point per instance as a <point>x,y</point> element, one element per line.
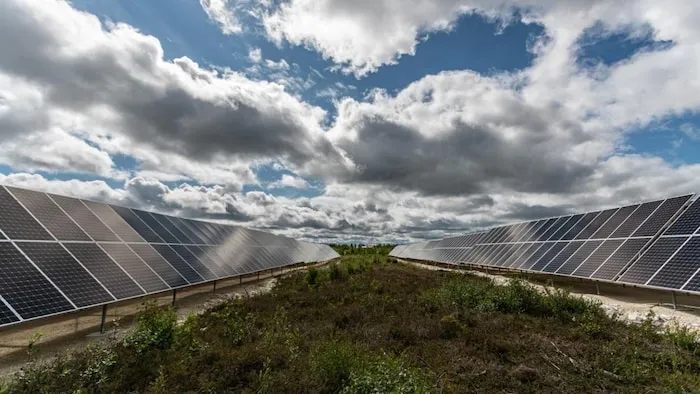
<point>628,308</point>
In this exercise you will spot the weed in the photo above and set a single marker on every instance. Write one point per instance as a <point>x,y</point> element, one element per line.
<point>385,375</point>
<point>155,328</point>
<point>312,276</point>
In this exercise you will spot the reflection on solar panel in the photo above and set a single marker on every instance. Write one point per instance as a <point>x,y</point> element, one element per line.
<point>65,254</point>
<point>16,222</point>
<point>50,215</point>
<point>131,263</point>
<point>648,244</point>
<point>87,220</point>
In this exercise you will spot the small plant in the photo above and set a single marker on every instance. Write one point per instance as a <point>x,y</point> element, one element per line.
<point>385,375</point>
<point>312,276</point>
<point>331,364</point>
<point>684,338</point>
<point>32,349</point>
<point>155,328</point>
<point>336,272</point>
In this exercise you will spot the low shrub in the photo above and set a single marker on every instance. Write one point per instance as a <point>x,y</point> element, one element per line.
<point>385,375</point>
<point>155,329</point>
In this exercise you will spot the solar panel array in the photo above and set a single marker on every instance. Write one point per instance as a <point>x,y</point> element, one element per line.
<point>60,254</point>
<point>652,244</point>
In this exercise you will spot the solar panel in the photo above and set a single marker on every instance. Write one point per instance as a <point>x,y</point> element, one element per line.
<point>158,264</point>
<point>618,260</point>
<point>635,219</point>
<point>80,213</point>
<point>131,263</point>
<point>16,222</point>
<point>207,262</point>
<point>177,227</point>
<point>6,315</point>
<point>578,257</point>
<point>597,258</point>
<point>580,225</point>
<point>548,256</point>
<point>66,273</point>
<point>554,228</point>
<point>137,224</point>
<point>568,225</point>
<point>113,221</point>
<point>521,261</point>
<point>688,222</point>
<point>539,233</point>
<point>516,253</point>
<point>680,268</point>
<point>557,261</point>
<point>537,255</point>
<point>156,226</point>
<point>180,237</point>
<point>178,263</point>
<point>652,260</point>
<point>661,216</point>
<point>50,215</point>
<point>596,224</point>
<point>194,262</point>
<point>615,221</point>
<point>105,270</point>
<point>25,289</point>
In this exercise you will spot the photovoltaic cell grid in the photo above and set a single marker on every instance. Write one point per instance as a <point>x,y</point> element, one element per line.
<point>94,253</point>
<point>656,243</point>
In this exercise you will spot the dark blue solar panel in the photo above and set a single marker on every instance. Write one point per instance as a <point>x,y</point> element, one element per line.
<point>614,222</point>
<point>105,270</point>
<point>549,256</point>
<point>16,222</point>
<point>50,215</point>
<point>66,273</point>
<point>178,263</point>
<point>172,229</point>
<point>661,216</point>
<point>186,230</point>
<point>571,223</point>
<point>578,257</point>
<point>652,260</point>
<point>25,289</point>
<point>680,268</point>
<point>516,254</point>
<point>154,260</point>
<point>558,260</point>
<point>580,225</point>
<point>536,255</point>
<point>554,228</point>
<point>194,262</point>
<point>85,218</point>
<point>110,218</point>
<point>638,217</point>
<point>157,228</point>
<point>619,260</point>
<point>6,315</point>
<point>596,224</point>
<point>688,222</point>
<point>598,257</point>
<point>137,224</point>
<point>132,264</point>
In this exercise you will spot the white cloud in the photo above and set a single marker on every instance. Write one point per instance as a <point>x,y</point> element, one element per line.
<point>691,131</point>
<point>222,12</point>
<point>289,181</point>
<point>255,55</point>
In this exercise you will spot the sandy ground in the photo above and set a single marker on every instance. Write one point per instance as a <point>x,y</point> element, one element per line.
<point>72,332</point>
<point>632,305</point>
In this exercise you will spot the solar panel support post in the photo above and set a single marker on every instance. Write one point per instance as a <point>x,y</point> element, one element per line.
<point>673,298</point>
<point>597,287</point>
<point>174,297</point>
<point>213,291</point>
<point>104,319</point>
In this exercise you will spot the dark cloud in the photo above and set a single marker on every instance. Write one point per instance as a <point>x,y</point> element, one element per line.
<point>465,160</point>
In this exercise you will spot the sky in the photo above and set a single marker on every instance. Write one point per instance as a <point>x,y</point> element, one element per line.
<point>364,121</point>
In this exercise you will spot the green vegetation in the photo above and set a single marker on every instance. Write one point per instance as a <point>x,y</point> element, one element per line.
<point>370,325</point>
<point>362,250</point>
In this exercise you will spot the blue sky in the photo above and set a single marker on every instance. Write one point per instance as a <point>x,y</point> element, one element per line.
<point>485,113</point>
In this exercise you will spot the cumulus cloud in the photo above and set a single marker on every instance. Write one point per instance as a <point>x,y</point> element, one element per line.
<point>289,181</point>
<point>112,82</point>
<point>222,13</point>
<point>450,152</point>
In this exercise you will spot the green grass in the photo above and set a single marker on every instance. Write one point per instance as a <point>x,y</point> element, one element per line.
<point>370,325</point>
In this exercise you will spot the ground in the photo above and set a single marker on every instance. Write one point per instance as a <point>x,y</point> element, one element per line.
<point>370,324</point>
